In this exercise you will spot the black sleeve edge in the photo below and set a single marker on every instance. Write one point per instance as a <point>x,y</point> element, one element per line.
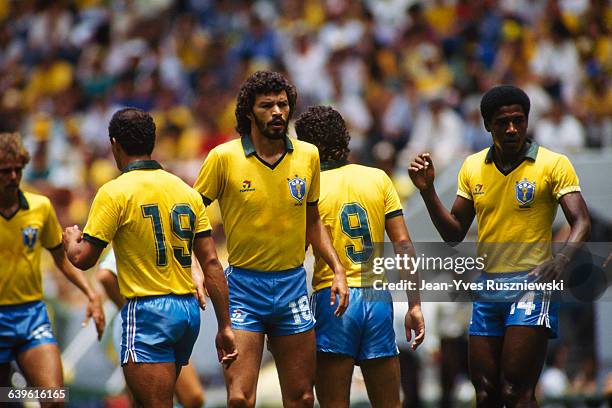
<point>393,214</point>
<point>203,234</point>
<point>95,241</point>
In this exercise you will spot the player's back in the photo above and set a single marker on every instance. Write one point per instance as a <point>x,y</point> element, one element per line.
<point>354,203</point>
<point>151,216</point>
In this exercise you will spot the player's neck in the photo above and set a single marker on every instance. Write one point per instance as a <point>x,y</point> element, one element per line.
<point>127,160</point>
<point>509,160</point>
<point>266,148</point>
<point>9,203</point>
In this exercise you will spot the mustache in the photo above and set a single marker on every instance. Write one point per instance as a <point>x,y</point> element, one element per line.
<point>277,122</point>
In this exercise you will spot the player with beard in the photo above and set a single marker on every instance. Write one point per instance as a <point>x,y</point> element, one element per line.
<point>268,189</point>
<point>513,189</point>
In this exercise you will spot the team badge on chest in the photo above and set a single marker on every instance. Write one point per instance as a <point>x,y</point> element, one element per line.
<point>525,192</point>
<point>297,188</point>
<point>29,235</point>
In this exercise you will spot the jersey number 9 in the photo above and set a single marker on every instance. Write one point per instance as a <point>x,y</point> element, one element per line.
<point>354,222</point>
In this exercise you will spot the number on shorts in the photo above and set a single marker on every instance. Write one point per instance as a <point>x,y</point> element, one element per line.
<point>183,231</point>
<point>360,230</point>
<point>526,303</point>
<point>300,310</point>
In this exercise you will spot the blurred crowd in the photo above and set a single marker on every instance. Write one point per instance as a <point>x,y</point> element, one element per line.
<point>406,75</point>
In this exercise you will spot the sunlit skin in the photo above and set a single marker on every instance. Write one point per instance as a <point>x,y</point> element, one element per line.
<point>10,177</point>
<point>508,127</point>
<point>271,115</point>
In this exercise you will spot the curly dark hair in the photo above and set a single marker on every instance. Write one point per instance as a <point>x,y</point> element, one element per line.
<point>261,83</point>
<point>325,128</point>
<point>502,95</point>
<point>134,130</point>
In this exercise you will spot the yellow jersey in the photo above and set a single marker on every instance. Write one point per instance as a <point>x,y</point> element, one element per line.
<point>263,206</point>
<point>22,237</point>
<point>355,202</point>
<point>152,217</point>
<point>518,208</point>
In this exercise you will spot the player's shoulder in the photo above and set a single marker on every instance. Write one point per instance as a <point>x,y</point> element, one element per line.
<point>231,147</point>
<point>361,171</point>
<point>304,147</point>
<point>550,157</point>
<point>35,200</point>
<point>478,158</point>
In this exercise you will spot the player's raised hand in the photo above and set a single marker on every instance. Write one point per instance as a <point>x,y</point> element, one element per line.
<point>414,321</point>
<point>339,288</point>
<point>227,352</point>
<point>71,234</point>
<point>421,171</point>
<point>95,311</point>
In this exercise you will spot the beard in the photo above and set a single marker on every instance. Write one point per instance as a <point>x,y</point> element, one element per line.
<point>271,133</point>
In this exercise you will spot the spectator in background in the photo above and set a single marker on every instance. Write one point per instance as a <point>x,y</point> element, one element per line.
<point>560,130</point>
<point>438,129</point>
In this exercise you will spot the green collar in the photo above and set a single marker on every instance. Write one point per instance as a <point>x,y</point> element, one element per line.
<point>333,164</point>
<point>249,149</point>
<point>143,165</point>
<point>531,154</point>
<point>23,201</point>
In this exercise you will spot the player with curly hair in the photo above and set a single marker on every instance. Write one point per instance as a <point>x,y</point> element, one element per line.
<point>268,189</point>
<point>358,214</point>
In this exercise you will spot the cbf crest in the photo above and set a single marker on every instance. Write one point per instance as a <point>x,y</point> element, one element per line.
<point>29,235</point>
<point>297,188</point>
<point>525,192</point>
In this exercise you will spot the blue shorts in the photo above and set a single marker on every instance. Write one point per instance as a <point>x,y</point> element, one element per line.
<point>275,303</point>
<point>503,308</point>
<point>364,331</point>
<point>159,329</point>
<point>23,327</point>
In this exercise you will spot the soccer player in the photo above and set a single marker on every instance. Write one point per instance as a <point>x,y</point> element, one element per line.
<point>155,221</point>
<point>268,188</point>
<point>513,189</point>
<point>357,204</point>
<point>27,225</point>
<point>188,389</point>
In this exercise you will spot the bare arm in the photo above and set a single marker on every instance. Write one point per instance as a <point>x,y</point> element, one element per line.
<point>452,226</point>
<point>205,252</point>
<point>81,253</point>
<point>577,216</point>
<point>94,306</point>
<point>319,238</point>
<point>402,245</point>
<point>110,283</point>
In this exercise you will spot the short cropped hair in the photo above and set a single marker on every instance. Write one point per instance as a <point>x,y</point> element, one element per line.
<point>12,148</point>
<point>325,128</point>
<point>134,130</point>
<point>261,83</point>
<point>503,95</point>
